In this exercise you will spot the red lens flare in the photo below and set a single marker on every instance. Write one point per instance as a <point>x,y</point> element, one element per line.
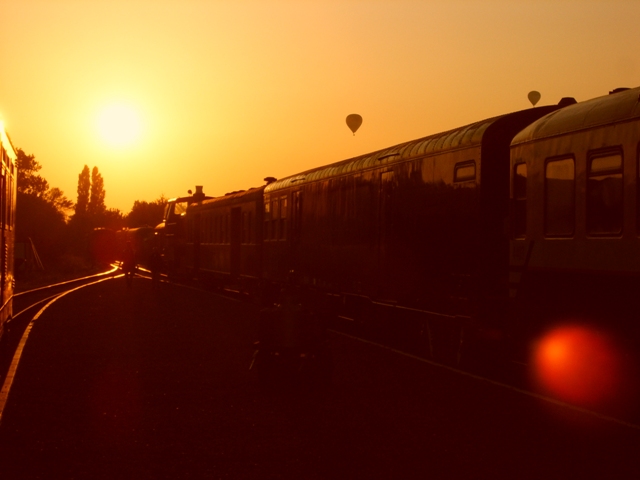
<point>578,364</point>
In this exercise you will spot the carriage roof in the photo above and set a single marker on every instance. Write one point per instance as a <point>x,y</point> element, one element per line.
<point>619,106</point>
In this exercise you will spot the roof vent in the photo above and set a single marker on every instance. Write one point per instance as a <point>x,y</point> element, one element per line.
<point>387,155</point>
<point>270,180</point>
<point>566,101</point>
<point>618,90</point>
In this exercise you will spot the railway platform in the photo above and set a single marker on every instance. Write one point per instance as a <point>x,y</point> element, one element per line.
<point>137,383</point>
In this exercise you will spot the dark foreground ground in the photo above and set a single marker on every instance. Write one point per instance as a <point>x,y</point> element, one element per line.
<point>120,383</point>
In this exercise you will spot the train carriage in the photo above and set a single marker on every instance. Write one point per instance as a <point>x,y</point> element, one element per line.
<point>575,216</point>
<point>8,192</point>
<point>103,246</point>
<point>419,226</point>
<point>142,240</point>
<point>224,238</point>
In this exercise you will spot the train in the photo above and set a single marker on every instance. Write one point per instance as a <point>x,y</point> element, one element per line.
<point>142,240</point>
<point>485,234</point>
<point>102,246</point>
<point>8,193</point>
<point>106,246</point>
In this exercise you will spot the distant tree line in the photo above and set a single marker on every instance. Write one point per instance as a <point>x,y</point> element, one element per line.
<point>59,227</point>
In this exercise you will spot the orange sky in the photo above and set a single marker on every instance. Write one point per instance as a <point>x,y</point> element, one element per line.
<point>225,93</point>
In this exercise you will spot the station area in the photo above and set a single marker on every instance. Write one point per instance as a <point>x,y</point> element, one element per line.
<point>120,382</point>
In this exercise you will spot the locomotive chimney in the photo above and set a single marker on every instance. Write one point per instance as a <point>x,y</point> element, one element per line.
<point>199,195</point>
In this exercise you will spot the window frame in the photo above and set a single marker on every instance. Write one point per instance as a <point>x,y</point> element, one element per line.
<point>266,220</point>
<point>520,213</point>
<point>282,231</point>
<point>594,155</point>
<point>572,232</point>
<point>461,166</point>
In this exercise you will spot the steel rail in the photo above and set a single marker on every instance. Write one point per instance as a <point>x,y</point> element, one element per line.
<point>474,376</point>
<point>8,381</point>
<point>53,285</point>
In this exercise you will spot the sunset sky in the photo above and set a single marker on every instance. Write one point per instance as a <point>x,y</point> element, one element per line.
<point>162,95</point>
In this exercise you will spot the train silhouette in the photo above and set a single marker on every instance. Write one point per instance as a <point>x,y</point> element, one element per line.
<point>484,234</point>
<point>8,192</point>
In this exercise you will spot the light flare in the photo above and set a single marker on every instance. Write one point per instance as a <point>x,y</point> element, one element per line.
<point>578,364</point>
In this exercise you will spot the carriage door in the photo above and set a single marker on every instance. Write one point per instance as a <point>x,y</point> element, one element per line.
<point>236,239</point>
<point>385,230</point>
<point>296,220</point>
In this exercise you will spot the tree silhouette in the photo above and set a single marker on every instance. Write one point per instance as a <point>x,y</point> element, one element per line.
<point>91,211</point>
<point>29,182</point>
<point>84,186</point>
<point>56,197</point>
<point>40,211</point>
<point>40,221</point>
<point>32,184</point>
<point>97,207</point>
<point>146,213</point>
<point>113,219</point>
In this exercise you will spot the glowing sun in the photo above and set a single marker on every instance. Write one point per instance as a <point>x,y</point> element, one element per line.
<point>119,125</point>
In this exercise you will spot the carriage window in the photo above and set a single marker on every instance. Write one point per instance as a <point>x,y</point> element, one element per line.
<point>180,208</point>
<point>283,218</point>
<point>560,197</point>
<point>296,215</point>
<point>520,200</point>
<point>267,218</point>
<point>464,172</point>
<point>604,195</point>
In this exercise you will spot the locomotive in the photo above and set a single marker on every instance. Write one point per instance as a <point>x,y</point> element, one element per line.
<point>486,233</point>
<point>8,192</point>
<point>171,232</point>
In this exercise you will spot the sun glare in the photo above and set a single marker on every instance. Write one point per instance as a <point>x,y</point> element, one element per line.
<point>578,364</point>
<point>119,125</point>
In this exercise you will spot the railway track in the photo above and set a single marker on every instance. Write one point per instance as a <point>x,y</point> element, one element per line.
<point>498,368</point>
<point>28,299</point>
<point>28,306</point>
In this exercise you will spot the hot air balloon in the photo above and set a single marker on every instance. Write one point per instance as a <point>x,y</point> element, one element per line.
<point>534,97</point>
<point>354,121</point>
